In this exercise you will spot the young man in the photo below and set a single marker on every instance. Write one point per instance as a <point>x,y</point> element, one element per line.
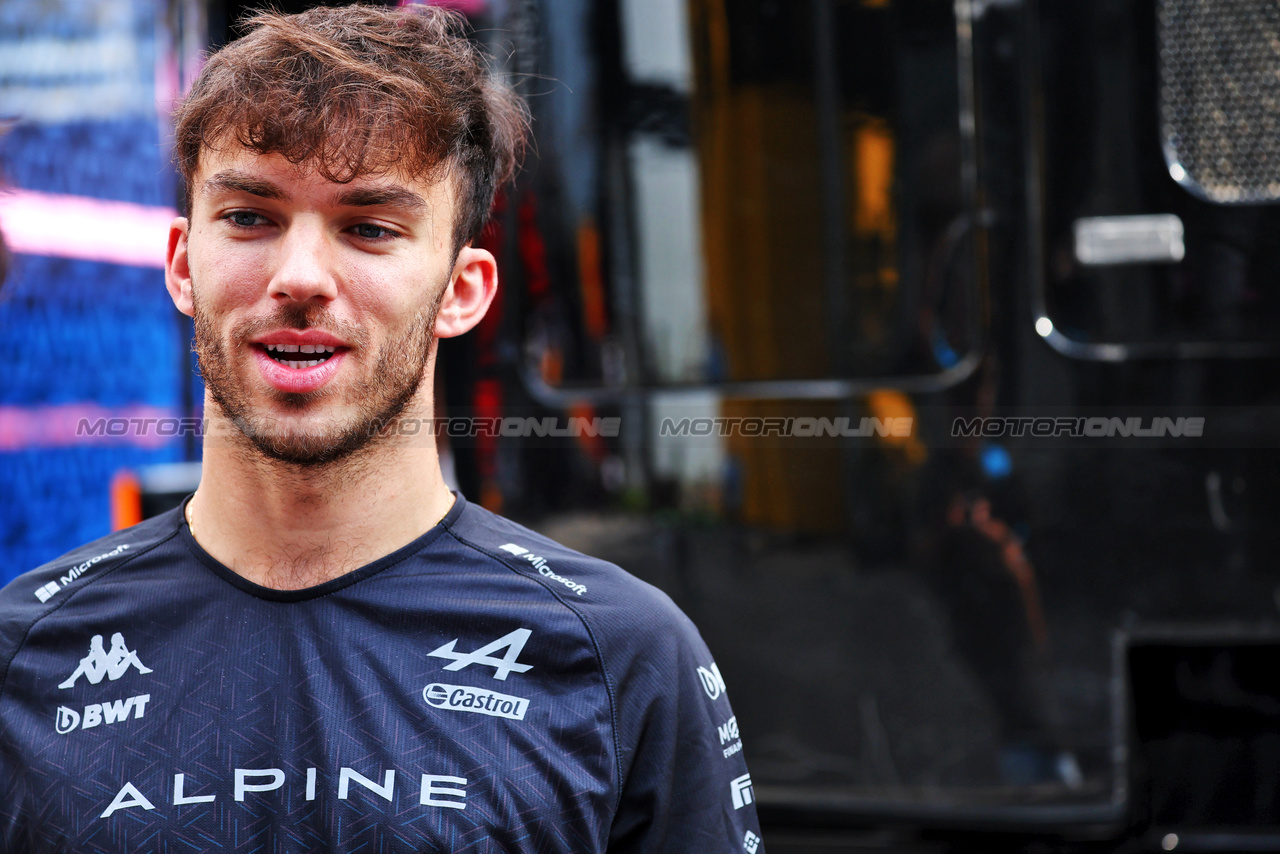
<point>324,649</point>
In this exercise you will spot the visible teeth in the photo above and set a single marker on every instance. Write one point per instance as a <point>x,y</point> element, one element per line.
<point>310,349</point>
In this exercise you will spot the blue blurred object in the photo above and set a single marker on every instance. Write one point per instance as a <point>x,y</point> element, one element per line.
<point>80,336</point>
<point>943,352</point>
<point>996,461</point>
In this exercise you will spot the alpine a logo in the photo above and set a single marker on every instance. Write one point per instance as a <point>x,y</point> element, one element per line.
<point>513,643</point>
<point>544,569</point>
<point>712,681</point>
<point>99,662</point>
<point>463,699</point>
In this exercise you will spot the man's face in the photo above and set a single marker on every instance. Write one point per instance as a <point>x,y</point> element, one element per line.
<point>314,302</point>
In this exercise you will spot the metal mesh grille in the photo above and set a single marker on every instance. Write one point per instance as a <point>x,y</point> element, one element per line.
<point>1220,97</point>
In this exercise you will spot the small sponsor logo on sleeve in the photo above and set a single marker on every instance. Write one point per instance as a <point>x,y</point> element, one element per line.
<point>48,591</point>
<point>544,568</point>
<point>751,842</point>
<point>728,732</point>
<point>712,681</point>
<point>740,788</point>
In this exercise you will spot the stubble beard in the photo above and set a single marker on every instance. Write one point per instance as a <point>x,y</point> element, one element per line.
<point>375,401</point>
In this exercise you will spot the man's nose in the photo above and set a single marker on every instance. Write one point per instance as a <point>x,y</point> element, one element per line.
<point>305,265</point>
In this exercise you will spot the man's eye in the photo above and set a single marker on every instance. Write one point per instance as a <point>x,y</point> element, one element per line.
<point>244,219</point>
<point>369,231</point>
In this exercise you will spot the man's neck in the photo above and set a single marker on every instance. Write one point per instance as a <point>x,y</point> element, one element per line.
<point>289,527</point>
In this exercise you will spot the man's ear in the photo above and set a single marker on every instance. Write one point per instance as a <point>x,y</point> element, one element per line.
<point>469,293</point>
<point>177,267</point>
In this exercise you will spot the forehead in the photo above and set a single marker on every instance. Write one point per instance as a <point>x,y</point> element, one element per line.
<point>238,170</point>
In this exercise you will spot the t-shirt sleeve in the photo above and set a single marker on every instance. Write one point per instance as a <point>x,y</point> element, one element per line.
<point>685,784</point>
<point>15,619</point>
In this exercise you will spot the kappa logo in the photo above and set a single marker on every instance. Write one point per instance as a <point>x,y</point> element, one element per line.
<point>740,788</point>
<point>751,842</point>
<point>99,662</point>
<point>513,643</point>
<point>712,681</point>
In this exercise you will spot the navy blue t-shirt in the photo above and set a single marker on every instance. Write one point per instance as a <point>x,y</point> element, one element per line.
<point>482,689</point>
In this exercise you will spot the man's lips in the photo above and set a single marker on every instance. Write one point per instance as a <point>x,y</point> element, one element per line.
<point>316,368</point>
<point>300,337</point>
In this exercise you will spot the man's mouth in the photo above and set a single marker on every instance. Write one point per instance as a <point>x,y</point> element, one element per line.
<point>299,356</point>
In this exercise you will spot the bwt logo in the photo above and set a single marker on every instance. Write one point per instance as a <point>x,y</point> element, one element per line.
<point>101,713</point>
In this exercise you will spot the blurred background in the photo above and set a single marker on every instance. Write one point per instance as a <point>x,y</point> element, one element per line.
<point>817,257</point>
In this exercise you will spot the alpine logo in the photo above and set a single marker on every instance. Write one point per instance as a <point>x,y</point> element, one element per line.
<point>751,842</point>
<point>462,699</point>
<point>99,662</point>
<point>69,720</point>
<point>740,788</point>
<point>47,592</point>
<point>712,681</point>
<point>432,790</point>
<point>513,643</point>
<point>544,569</point>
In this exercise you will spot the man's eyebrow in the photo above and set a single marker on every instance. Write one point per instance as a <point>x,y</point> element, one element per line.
<point>234,181</point>
<point>388,197</point>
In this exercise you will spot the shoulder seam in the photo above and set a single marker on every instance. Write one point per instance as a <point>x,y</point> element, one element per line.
<point>595,644</point>
<point>4,671</point>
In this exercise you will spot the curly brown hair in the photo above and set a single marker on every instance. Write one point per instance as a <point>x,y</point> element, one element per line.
<point>361,90</point>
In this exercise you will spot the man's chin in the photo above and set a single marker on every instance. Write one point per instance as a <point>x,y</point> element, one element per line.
<point>308,448</point>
